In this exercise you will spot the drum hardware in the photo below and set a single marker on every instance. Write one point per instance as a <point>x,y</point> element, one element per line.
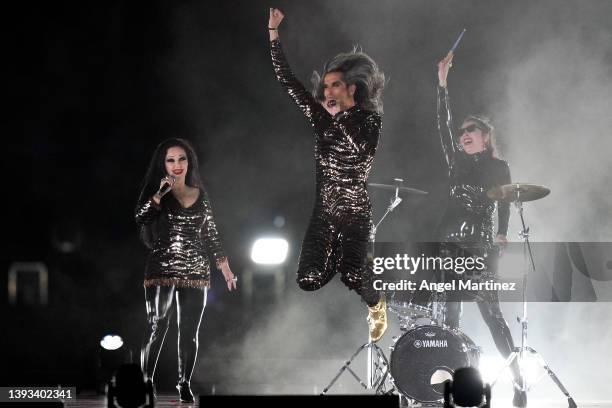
<point>379,370</point>
<point>411,314</point>
<point>376,363</point>
<point>397,186</point>
<point>518,193</point>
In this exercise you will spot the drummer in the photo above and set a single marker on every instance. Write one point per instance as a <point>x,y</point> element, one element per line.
<point>468,224</point>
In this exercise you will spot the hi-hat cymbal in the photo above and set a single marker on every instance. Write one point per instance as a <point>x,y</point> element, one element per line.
<point>518,192</point>
<point>400,188</point>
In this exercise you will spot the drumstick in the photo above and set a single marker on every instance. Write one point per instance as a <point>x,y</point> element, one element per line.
<point>452,50</point>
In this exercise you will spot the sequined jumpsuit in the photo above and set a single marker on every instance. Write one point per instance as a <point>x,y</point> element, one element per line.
<point>177,267</point>
<point>337,237</point>
<point>468,220</point>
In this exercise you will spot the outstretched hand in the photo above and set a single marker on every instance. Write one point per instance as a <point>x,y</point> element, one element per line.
<point>443,68</point>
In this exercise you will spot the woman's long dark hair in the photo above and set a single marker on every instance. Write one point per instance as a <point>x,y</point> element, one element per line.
<point>157,168</point>
<point>157,171</point>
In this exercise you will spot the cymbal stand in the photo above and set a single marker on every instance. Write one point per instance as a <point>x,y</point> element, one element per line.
<point>522,352</point>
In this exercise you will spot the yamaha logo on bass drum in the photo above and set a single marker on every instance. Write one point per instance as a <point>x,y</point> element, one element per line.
<point>430,343</point>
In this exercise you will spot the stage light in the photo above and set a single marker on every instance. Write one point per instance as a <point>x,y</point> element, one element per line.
<point>110,356</point>
<point>531,367</point>
<point>269,251</point>
<point>467,389</point>
<point>491,369</point>
<point>128,389</point>
<point>111,342</point>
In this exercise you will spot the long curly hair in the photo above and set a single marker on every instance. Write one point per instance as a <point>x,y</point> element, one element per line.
<point>357,69</point>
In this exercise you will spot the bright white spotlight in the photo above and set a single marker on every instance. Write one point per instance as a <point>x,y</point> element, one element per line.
<point>269,251</point>
<point>490,368</point>
<point>111,342</point>
<point>531,368</point>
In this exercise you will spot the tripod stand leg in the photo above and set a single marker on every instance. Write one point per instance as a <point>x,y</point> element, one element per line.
<point>344,368</point>
<point>507,364</point>
<point>364,385</point>
<point>377,384</point>
<point>570,401</point>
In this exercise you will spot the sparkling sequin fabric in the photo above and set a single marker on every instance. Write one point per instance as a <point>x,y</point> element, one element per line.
<point>183,240</point>
<point>468,224</point>
<point>469,216</point>
<point>345,144</point>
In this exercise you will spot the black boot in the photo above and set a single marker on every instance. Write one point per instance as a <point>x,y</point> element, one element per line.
<point>520,399</point>
<point>185,393</point>
<point>520,396</point>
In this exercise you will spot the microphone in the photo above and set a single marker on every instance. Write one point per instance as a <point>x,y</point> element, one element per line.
<point>167,186</point>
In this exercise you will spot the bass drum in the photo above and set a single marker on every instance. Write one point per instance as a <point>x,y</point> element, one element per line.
<point>426,356</point>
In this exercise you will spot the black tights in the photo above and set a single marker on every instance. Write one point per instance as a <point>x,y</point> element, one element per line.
<point>491,312</point>
<point>190,303</point>
<point>488,303</point>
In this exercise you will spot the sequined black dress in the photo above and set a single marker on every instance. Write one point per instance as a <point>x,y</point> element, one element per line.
<point>184,238</point>
<point>338,233</point>
<point>468,221</point>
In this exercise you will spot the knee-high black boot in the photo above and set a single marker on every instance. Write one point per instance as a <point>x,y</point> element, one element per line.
<point>190,307</point>
<point>159,310</point>
<point>493,316</point>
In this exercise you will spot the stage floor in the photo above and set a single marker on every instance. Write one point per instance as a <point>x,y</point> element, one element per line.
<point>171,400</point>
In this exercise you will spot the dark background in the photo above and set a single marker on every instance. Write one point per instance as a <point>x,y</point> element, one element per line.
<point>93,88</point>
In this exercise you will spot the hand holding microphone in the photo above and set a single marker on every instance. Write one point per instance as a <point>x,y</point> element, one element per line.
<point>164,187</point>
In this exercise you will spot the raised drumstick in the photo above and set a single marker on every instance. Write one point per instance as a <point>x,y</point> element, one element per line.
<point>452,50</point>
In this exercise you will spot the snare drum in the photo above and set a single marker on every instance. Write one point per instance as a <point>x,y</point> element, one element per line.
<point>413,304</point>
<point>426,356</point>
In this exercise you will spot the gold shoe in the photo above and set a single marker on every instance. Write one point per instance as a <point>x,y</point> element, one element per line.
<point>377,320</point>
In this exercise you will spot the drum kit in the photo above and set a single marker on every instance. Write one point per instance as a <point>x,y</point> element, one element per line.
<point>428,352</point>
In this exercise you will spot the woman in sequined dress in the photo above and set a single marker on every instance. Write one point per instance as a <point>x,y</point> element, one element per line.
<point>177,225</point>
<point>345,112</point>
<point>468,224</point>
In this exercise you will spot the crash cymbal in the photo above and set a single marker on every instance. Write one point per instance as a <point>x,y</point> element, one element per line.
<point>400,188</point>
<point>518,192</point>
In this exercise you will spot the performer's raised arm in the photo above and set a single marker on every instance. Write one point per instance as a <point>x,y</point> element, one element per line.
<point>445,132</point>
<point>313,110</point>
<point>345,111</point>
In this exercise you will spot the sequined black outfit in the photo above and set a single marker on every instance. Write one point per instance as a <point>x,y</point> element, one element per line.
<point>345,144</point>
<point>178,269</point>
<point>468,221</point>
<point>183,240</point>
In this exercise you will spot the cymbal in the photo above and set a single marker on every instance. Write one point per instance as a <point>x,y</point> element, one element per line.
<point>400,188</point>
<point>518,192</point>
